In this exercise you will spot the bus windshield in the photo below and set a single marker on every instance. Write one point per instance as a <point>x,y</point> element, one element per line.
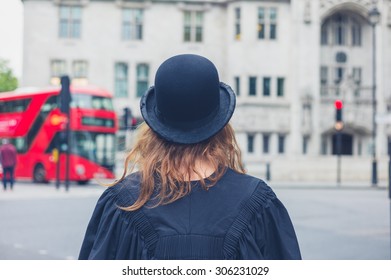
<point>97,147</point>
<point>86,101</point>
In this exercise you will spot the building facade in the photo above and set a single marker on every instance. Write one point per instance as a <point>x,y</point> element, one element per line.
<point>288,61</point>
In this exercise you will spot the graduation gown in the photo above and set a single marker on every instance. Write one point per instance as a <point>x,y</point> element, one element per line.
<point>238,218</point>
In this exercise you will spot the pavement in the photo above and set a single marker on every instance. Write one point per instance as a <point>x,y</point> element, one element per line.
<point>28,191</point>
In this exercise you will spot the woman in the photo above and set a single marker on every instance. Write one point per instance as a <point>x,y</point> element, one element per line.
<point>190,198</point>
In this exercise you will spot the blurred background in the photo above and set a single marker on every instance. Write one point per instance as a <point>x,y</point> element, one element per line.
<point>313,113</point>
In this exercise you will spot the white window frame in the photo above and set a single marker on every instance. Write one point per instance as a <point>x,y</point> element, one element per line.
<point>193,26</point>
<point>58,68</point>
<point>121,83</point>
<point>132,24</point>
<point>142,81</point>
<point>267,19</point>
<point>70,21</point>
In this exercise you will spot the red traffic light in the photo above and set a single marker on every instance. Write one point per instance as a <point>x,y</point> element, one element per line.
<point>338,104</point>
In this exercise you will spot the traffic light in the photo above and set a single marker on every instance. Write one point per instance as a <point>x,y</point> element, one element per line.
<point>65,95</point>
<point>126,116</point>
<point>338,114</point>
<point>129,122</point>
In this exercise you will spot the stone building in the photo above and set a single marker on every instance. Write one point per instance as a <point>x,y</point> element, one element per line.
<point>288,61</point>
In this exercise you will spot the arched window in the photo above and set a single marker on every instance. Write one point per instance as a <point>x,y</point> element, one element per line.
<point>356,33</point>
<point>341,29</point>
<point>340,26</point>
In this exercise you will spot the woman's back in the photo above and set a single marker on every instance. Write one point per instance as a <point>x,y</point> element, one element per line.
<point>238,218</point>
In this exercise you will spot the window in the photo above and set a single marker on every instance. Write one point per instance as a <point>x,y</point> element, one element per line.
<point>356,75</point>
<point>280,87</point>
<point>281,144</point>
<point>306,139</point>
<point>339,75</point>
<point>132,24</point>
<point>121,143</point>
<point>142,79</point>
<point>87,101</point>
<point>273,23</point>
<point>70,22</point>
<point>359,147</point>
<point>252,86</point>
<point>250,143</point>
<point>237,24</point>
<point>37,124</point>
<point>356,33</point>
<point>121,79</point>
<point>237,85</point>
<point>265,143</point>
<point>323,80</point>
<point>79,71</point>
<point>324,34</point>
<point>267,23</point>
<point>323,75</point>
<point>193,26</point>
<point>14,106</point>
<point>261,23</point>
<point>20,144</point>
<point>341,29</point>
<point>266,86</point>
<point>95,146</point>
<point>324,145</point>
<point>57,69</point>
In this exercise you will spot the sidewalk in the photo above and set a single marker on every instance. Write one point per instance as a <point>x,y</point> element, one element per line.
<point>27,190</point>
<point>327,185</point>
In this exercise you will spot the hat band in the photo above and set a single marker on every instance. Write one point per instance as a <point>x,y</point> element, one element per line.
<point>186,125</point>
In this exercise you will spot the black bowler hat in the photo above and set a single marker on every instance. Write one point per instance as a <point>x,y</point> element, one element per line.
<point>188,104</point>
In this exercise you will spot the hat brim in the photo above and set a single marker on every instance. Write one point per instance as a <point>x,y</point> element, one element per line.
<point>189,134</point>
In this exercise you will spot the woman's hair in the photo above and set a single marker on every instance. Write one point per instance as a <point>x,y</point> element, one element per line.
<point>166,168</point>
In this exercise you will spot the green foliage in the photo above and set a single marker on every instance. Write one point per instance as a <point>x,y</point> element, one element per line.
<point>8,81</point>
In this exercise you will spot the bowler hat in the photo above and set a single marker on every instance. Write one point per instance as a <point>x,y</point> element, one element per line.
<point>188,104</point>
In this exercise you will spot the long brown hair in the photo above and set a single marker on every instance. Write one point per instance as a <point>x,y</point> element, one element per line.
<point>169,166</point>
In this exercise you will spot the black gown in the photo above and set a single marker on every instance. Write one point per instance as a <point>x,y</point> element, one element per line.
<point>238,218</point>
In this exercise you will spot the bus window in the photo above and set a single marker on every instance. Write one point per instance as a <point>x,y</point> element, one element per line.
<point>50,103</point>
<point>14,106</point>
<point>20,144</point>
<point>105,149</point>
<point>85,101</point>
<point>53,143</point>
<point>97,147</point>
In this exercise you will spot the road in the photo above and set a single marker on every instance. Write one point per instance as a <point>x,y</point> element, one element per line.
<point>40,222</point>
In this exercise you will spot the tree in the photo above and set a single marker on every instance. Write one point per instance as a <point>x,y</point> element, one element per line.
<point>8,81</point>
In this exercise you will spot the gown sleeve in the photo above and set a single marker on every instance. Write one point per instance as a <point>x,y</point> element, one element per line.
<point>111,234</point>
<point>267,231</point>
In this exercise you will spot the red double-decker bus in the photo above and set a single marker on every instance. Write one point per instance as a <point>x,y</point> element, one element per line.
<point>33,122</point>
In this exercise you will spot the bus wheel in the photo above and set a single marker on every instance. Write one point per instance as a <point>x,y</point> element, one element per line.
<point>39,175</point>
<point>82,183</point>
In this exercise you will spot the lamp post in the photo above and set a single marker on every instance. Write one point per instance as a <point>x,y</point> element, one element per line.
<point>374,17</point>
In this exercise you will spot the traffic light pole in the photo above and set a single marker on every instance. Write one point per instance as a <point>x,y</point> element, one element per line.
<point>339,144</point>
<point>338,127</point>
<point>58,164</point>
<point>374,108</point>
<point>65,100</point>
<point>68,151</point>
<point>389,184</point>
